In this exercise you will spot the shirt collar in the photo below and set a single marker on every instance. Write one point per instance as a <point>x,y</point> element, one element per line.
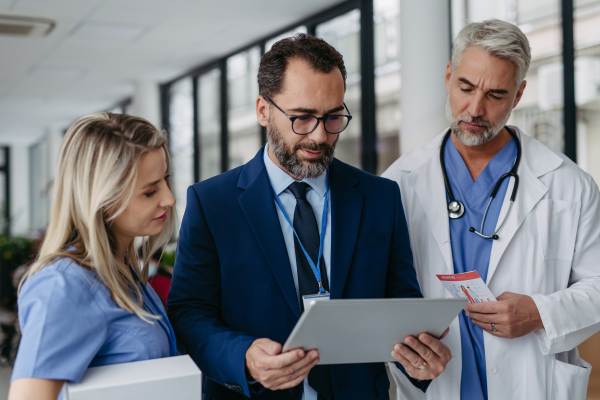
<point>281,180</point>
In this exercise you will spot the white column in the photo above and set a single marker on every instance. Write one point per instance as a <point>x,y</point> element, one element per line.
<point>146,101</point>
<point>425,51</point>
<point>19,189</point>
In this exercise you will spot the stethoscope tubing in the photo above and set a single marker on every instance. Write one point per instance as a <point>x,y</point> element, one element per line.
<point>453,203</point>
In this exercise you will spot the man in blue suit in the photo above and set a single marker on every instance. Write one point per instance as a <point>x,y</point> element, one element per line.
<point>292,222</point>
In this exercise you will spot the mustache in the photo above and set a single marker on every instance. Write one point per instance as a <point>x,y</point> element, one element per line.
<point>474,120</point>
<point>312,146</point>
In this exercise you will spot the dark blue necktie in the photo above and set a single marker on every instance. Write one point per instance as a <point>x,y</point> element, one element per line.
<point>305,225</point>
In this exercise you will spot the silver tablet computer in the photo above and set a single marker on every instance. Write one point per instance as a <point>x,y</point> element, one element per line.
<point>363,331</point>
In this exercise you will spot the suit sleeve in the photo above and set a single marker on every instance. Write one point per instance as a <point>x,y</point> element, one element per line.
<point>402,278</point>
<point>194,304</point>
<point>563,328</point>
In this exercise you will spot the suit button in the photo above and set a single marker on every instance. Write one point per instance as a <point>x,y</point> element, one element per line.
<point>493,370</point>
<point>296,391</point>
<point>237,388</point>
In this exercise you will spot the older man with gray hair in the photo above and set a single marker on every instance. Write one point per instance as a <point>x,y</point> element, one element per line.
<point>485,197</point>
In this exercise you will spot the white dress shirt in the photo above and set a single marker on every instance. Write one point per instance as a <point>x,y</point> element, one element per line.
<point>315,195</point>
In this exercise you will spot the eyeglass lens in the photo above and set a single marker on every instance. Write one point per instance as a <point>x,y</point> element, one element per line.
<point>333,124</point>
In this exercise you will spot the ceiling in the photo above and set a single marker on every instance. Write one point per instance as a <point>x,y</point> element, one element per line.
<point>100,47</point>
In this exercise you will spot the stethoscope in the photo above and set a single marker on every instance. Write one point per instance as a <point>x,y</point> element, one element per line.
<point>456,209</point>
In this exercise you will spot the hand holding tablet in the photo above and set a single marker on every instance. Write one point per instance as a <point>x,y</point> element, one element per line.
<point>426,358</point>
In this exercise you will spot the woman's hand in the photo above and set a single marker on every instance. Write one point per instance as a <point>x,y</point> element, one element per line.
<point>35,389</point>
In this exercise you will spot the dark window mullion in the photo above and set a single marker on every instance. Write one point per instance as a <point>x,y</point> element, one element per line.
<point>367,68</point>
<point>196,130</point>
<point>570,107</point>
<point>224,102</point>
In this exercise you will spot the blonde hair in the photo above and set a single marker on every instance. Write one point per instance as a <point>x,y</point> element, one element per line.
<point>95,180</point>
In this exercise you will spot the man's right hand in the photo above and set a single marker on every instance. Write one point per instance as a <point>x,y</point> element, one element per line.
<point>275,370</point>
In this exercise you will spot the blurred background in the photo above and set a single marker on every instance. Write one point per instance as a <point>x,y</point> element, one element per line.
<point>189,66</point>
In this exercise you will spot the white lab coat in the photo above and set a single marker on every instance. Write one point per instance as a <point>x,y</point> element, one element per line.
<point>549,249</point>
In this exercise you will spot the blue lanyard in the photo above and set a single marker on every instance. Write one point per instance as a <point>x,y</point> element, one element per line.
<point>315,268</point>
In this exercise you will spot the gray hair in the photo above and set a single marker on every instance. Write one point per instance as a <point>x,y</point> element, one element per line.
<point>499,39</point>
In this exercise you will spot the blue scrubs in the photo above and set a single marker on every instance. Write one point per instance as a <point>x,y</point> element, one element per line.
<point>471,252</point>
<point>70,322</point>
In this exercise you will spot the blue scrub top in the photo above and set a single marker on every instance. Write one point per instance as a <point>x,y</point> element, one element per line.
<point>471,252</point>
<point>69,322</point>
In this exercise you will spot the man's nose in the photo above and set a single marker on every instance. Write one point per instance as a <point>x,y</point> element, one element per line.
<point>477,105</point>
<point>319,135</point>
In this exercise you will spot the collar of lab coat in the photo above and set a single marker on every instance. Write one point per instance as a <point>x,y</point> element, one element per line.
<point>425,176</point>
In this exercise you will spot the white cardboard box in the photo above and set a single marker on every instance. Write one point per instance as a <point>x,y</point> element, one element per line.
<point>159,379</point>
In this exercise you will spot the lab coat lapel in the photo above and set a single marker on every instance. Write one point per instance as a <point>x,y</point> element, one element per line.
<point>258,205</point>
<point>530,191</point>
<point>346,212</point>
<point>428,183</point>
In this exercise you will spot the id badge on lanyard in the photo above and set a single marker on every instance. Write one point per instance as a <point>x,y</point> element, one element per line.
<point>310,299</point>
<point>322,295</point>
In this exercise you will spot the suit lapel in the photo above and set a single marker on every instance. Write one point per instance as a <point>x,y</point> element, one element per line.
<point>258,205</point>
<point>346,212</point>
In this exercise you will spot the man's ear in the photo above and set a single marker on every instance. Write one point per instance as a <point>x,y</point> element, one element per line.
<point>262,111</point>
<point>519,93</point>
<point>448,75</point>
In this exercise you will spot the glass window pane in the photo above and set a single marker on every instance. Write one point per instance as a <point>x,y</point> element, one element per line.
<point>181,124</point>
<point>244,130</point>
<point>210,123</point>
<point>387,81</point>
<point>587,84</point>
<point>343,33</point>
<point>271,42</point>
<point>540,111</point>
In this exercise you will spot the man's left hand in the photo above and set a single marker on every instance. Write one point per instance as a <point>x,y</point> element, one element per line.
<point>513,315</point>
<point>426,358</point>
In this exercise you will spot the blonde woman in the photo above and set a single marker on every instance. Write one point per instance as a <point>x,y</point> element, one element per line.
<point>85,302</point>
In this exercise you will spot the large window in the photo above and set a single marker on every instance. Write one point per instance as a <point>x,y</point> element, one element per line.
<point>539,112</point>
<point>209,123</point>
<point>343,33</point>
<point>244,129</point>
<point>213,125</point>
<point>181,141</point>
<point>587,84</point>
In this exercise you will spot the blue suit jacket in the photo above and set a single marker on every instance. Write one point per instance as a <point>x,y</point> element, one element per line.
<point>233,283</point>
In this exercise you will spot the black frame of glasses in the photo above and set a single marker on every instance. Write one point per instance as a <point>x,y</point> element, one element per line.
<point>324,119</point>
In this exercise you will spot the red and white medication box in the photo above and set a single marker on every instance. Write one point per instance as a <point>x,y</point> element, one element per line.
<point>160,379</point>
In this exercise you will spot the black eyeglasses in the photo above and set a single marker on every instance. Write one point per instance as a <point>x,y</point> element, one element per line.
<point>305,124</point>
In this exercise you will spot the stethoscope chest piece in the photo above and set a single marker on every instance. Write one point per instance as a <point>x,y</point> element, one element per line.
<point>456,209</point>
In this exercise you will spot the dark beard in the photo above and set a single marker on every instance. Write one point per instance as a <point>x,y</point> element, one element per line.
<point>310,168</point>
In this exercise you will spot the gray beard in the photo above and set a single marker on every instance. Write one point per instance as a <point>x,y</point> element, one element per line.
<point>289,159</point>
<point>471,139</point>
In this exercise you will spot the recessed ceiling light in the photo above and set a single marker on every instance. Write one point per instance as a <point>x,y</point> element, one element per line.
<point>13,25</point>
<point>91,30</point>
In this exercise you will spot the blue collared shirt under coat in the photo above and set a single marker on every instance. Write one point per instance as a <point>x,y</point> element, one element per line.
<point>315,195</point>
<point>70,322</point>
<point>471,252</point>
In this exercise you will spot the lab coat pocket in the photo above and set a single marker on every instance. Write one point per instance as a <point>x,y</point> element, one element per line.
<point>557,224</point>
<point>570,382</point>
